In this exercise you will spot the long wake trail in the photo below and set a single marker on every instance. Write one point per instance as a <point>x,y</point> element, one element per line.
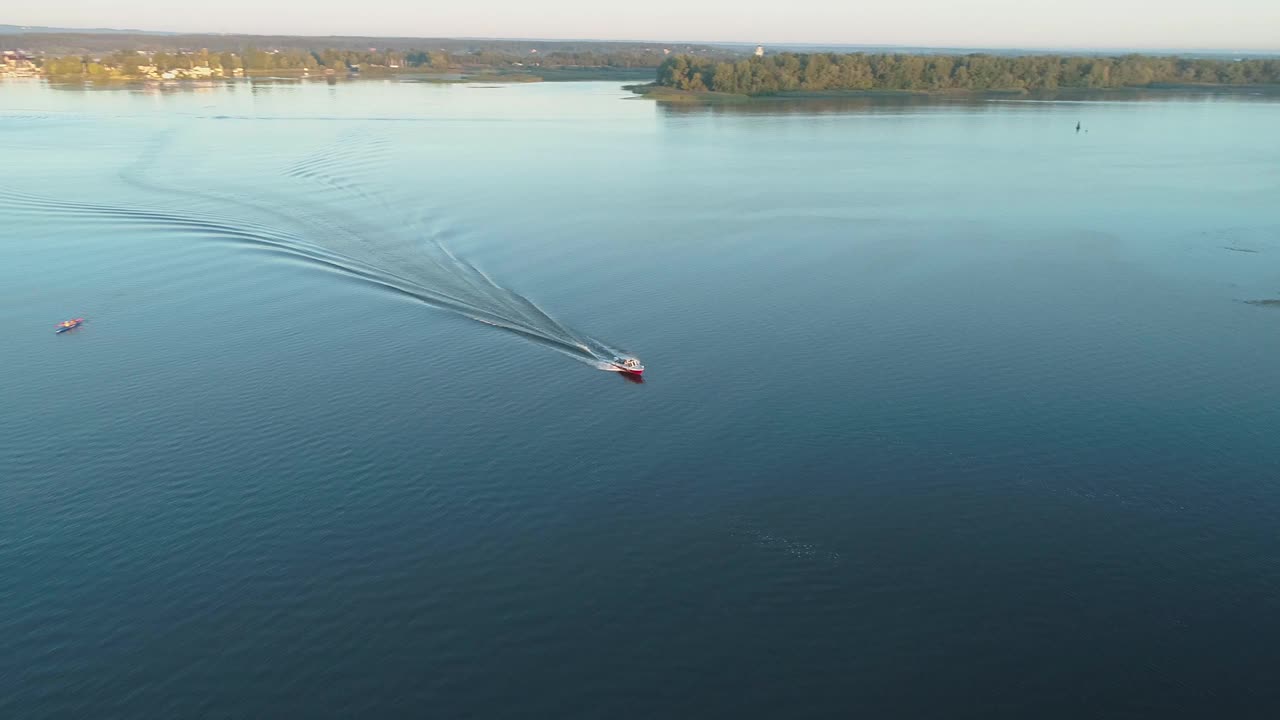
<point>433,274</point>
<point>329,168</point>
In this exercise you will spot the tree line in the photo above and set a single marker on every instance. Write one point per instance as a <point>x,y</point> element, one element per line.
<point>128,62</point>
<point>789,72</point>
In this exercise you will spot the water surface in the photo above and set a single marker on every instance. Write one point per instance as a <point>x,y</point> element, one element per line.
<point>951,411</point>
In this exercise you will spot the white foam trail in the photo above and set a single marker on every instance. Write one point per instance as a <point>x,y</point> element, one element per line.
<point>413,262</point>
<point>440,278</point>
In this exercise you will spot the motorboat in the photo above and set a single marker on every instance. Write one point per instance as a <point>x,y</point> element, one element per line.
<point>627,365</point>
<point>66,325</point>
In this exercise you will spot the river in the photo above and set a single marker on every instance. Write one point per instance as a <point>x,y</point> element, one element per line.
<point>951,410</point>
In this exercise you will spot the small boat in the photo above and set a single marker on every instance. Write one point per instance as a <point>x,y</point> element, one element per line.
<point>627,365</point>
<point>71,324</point>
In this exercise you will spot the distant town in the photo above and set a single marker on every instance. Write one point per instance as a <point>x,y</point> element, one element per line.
<point>16,63</point>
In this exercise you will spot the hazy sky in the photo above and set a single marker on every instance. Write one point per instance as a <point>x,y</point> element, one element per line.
<point>1225,24</point>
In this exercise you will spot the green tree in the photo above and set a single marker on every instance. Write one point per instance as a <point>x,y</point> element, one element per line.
<point>725,78</point>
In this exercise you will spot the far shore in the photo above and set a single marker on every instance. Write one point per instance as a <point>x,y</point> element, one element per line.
<point>452,77</point>
<point>662,93</point>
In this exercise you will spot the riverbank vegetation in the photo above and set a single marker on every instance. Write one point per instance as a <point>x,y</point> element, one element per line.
<point>818,72</point>
<point>123,55</point>
<point>133,65</point>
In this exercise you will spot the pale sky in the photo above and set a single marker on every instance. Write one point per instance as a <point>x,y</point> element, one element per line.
<point>1181,24</point>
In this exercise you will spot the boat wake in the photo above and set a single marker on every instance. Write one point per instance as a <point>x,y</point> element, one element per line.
<point>428,272</point>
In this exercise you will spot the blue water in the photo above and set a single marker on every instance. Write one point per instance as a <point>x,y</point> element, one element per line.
<point>950,411</point>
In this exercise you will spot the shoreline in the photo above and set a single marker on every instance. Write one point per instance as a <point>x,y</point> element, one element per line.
<point>452,76</point>
<point>662,93</point>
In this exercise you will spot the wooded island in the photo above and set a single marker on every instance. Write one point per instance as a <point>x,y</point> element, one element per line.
<point>819,72</point>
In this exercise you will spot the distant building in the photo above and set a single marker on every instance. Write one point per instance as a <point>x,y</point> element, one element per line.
<point>15,63</point>
<point>759,51</point>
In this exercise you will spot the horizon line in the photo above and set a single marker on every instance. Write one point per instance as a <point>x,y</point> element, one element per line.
<point>746,43</point>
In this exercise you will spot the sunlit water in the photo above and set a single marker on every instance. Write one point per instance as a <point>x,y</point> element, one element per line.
<point>951,411</point>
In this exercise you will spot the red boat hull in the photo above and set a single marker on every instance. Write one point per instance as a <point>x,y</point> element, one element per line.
<point>69,325</point>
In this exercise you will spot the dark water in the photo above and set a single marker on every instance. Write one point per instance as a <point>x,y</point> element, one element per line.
<point>951,411</point>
